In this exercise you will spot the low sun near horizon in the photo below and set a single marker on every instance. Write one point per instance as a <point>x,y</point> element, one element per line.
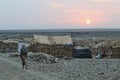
<point>88,21</point>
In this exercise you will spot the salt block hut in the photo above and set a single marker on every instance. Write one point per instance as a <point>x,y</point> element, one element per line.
<point>115,49</point>
<point>115,52</point>
<point>114,46</point>
<point>9,45</point>
<point>54,45</point>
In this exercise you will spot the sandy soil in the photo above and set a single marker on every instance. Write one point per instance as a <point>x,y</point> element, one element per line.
<point>76,69</point>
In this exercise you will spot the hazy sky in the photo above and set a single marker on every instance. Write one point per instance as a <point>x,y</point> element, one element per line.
<point>59,14</point>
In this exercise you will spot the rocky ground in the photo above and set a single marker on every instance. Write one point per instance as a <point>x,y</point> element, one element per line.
<point>75,69</point>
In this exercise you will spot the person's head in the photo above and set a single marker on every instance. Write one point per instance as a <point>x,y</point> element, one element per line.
<point>23,46</point>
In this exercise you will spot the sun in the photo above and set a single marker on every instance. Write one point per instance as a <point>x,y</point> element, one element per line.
<point>88,21</point>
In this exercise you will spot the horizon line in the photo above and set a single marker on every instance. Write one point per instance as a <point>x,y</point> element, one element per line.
<point>60,30</point>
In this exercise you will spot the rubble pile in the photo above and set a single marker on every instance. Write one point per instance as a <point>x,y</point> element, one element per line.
<point>42,57</point>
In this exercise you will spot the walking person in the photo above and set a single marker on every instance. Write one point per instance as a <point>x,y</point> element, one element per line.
<point>23,56</point>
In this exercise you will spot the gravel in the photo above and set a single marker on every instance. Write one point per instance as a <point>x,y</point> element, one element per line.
<point>76,69</point>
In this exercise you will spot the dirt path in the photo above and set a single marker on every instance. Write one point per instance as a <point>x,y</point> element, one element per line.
<point>11,70</point>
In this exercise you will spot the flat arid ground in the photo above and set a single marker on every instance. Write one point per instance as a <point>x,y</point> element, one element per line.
<point>75,69</point>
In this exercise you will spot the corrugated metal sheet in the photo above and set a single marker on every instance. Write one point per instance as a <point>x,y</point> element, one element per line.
<point>42,39</point>
<point>62,39</point>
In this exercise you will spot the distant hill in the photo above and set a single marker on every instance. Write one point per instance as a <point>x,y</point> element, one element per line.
<point>59,30</point>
